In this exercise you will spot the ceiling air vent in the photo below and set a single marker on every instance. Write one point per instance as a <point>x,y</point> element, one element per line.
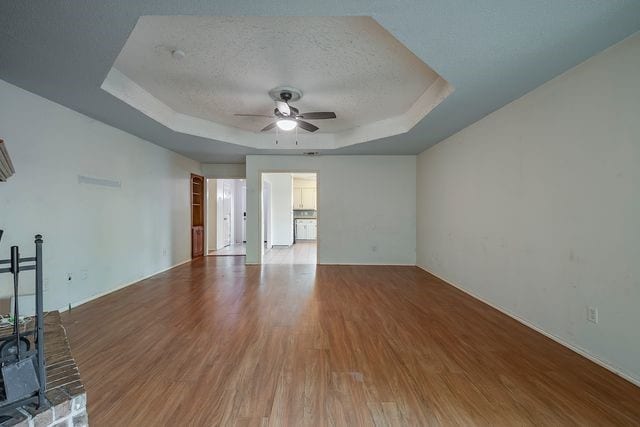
<point>6,167</point>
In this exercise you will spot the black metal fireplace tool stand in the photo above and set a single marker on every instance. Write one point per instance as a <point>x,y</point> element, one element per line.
<point>23,379</point>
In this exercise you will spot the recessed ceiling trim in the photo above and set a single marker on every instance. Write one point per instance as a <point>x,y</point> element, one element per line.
<point>403,123</point>
<point>123,88</point>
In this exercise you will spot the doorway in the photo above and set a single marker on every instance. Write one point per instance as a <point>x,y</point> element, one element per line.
<point>226,219</point>
<point>289,218</point>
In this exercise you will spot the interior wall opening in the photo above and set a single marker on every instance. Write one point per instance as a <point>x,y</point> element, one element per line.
<point>289,217</point>
<point>226,217</point>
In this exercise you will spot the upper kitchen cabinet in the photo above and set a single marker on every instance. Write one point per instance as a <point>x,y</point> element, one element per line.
<point>308,197</point>
<point>304,195</point>
<point>297,197</point>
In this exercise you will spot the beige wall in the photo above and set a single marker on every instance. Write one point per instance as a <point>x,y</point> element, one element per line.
<point>536,208</point>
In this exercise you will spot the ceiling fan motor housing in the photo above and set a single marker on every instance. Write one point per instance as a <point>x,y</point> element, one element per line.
<point>286,113</point>
<point>294,112</point>
<point>285,96</point>
<point>285,93</point>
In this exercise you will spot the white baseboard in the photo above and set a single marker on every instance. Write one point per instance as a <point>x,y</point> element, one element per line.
<point>581,351</point>
<point>117,288</point>
<point>368,263</point>
<point>342,263</point>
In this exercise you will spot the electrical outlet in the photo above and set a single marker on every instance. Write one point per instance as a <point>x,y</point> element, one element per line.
<point>84,274</point>
<point>592,314</point>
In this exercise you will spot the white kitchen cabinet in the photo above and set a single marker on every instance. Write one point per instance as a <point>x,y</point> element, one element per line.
<point>304,198</point>
<point>297,198</point>
<point>306,229</point>
<point>301,232</point>
<point>312,231</point>
<point>308,198</point>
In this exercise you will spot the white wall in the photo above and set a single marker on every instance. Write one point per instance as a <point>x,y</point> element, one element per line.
<point>536,208</point>
<point>366,211</point>
<point>240,203</point>
<point>281,208</point>
<point>212,215</point>
<point>106,237</point>
<point>220,214</point>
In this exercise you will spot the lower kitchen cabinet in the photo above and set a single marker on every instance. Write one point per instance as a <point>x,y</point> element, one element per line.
<point>306,229</point>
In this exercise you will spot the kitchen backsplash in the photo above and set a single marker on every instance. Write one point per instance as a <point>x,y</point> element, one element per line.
<point>304,213</point>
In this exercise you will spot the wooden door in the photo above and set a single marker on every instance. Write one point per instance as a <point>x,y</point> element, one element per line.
<point>197,215</point>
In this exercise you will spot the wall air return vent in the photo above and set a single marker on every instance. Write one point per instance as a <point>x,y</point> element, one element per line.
<point>6,167</point>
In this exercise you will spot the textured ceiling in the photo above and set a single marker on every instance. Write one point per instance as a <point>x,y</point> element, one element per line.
<point>349,65</point>
<point>492,52</point>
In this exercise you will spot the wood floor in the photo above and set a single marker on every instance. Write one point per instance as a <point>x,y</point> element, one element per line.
<point>301,252</point>
<point>215,342</point>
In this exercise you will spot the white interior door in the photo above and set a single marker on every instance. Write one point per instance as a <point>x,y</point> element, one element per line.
<point>227,194</point>
<point>243,198</point>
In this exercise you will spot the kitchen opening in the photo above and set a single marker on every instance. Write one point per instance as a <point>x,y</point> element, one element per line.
<point>289,218</point>
<point>226,217</point>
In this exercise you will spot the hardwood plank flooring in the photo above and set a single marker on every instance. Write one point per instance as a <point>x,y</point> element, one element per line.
<point>301,252</point>
<point>215,342</point>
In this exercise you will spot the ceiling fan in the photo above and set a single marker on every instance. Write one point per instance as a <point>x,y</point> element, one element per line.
<point>287,116</point>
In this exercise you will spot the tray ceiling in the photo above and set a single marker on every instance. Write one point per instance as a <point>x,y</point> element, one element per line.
<point>193,73</point>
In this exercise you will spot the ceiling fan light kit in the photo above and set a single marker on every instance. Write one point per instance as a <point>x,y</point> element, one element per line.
<point>286,124</point>
<point>287,116</point>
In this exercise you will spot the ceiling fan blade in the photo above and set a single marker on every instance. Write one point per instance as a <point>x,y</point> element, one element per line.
<point>307,126</point>
<point>268,127</point>
<point>318,115</point>
<point>283,107</point>
<point>254,115</point>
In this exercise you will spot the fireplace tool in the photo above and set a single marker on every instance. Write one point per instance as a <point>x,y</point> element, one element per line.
<point>23,378</point>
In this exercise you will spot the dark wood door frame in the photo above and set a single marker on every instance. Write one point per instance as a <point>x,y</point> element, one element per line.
<point>198,188</point>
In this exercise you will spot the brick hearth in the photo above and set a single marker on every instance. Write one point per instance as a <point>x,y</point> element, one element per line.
<point>65,390</point>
